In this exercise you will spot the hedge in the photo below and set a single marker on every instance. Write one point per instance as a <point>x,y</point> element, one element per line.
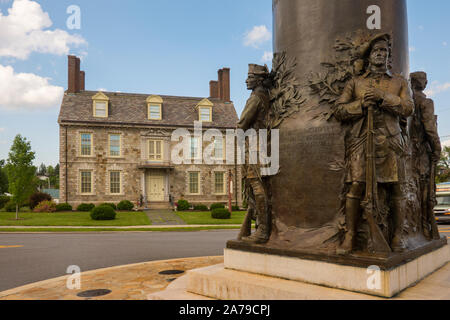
<point>4,200</point>
<point>183,205</point>
<point>125,205</point>
<point>63,207</point>
<point>103,213</point>
<point>45,206</point>
<point>37,198</point>
<point>200,207</point>
<point>221,213</point>
<point>217,206</point>
<point>85,207</point>
<point>112,205</point>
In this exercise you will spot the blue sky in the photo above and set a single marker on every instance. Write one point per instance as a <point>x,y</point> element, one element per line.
<point>172,47</point>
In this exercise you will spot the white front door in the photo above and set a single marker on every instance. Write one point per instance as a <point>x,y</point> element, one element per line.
<point>155,188</point>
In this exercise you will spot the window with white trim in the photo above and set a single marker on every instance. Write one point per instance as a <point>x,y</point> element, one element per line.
<point>219,182</point>
<point>86,182</point>
<point>115,145</point>
<point>194,182</point>
<point>195,147</point>
<point>218,149</point>
<point>205,114</point>
<point>155,150</point>
<point>86,144</point>
<point>115,185</point>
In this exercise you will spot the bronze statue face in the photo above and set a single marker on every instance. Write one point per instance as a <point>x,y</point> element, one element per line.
<point>419,81</point>
<point>380,54</point>
<point>252,81</point>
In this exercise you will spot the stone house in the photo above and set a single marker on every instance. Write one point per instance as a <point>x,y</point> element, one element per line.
<point>117,146</point>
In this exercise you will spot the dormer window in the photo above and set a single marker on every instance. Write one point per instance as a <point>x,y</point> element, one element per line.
<point>154,105</point>
<point>205,110</point>
<point>100,105</point>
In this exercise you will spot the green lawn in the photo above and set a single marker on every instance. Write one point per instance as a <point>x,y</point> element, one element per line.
<point>205,218</point>
<point>76,219</point>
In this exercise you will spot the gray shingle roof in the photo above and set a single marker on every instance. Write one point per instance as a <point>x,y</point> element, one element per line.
<point>131,109</point>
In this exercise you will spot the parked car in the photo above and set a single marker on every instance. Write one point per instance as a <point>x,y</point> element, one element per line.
<point>442,209</point>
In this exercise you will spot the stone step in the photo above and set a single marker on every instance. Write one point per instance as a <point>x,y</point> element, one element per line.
<point>159,206</point>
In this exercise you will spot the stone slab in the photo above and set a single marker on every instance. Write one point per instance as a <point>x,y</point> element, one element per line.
<point>357,259</point>
<point>224,284</point>
<point>377,282</point>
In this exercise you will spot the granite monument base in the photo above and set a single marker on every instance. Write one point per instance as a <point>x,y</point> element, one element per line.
<point>384,277</point>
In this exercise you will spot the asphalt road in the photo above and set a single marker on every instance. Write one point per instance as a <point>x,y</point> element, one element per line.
<point>28,258</point>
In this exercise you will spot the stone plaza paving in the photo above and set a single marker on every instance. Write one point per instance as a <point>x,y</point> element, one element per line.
<point>143,280</point>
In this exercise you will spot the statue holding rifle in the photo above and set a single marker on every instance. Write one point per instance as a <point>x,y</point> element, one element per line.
<point>426,153</point>
<point>374,106</point>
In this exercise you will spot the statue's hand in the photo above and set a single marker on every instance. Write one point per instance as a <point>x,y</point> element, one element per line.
<point>369,103</point>
<point>374,94</point>
<point>436,157</point>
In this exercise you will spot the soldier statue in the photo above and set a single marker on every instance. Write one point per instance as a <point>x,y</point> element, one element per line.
<point>255,116</point>
<point>387,99</point>
<point>426,153</point>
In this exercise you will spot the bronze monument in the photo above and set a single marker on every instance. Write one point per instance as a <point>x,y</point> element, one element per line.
<point>351,189</point>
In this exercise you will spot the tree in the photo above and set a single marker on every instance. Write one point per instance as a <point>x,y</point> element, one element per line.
<point>42,171</point>
<point>3,178</point>
<point>443,168</point>
<point>21,172</point>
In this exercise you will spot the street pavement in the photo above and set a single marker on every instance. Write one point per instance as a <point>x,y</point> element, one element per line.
<point>27,258</point>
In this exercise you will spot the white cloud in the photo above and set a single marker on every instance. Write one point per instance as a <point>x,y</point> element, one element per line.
<point>22,32</point>
<point>445,43</point>
<point>257,36</point>
<point>437,88</point>
<point>267,57</point>
<point>27,91</point>
<point>412,49</point>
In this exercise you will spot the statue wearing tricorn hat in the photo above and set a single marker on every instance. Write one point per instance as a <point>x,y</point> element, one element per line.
<point>374,105</point>
<point>256,116</point>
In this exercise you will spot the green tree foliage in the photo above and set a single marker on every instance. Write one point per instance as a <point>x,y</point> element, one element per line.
<point>443,168</point>
<point>3,178</point>
<point>21,172</point>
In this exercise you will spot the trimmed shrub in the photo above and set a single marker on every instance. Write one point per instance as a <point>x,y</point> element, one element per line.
<point>63,207</point>
<point>85,207</point>
<point>112,205</point>
<point>37,198</point>
<point>183,205</point>
<point>10,207</point>
<point>221,213</point>
<point>200,207</point>
<point>45,206</point>
<point>217,206</point>
<point>103,213</point>
<point>235,208</point>
<point>125,205</point>
<point>4,200</point>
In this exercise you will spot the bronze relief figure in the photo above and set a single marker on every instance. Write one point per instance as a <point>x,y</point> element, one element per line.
<point>256,116</point>
<point>374,106</point>
<point>426,152</point>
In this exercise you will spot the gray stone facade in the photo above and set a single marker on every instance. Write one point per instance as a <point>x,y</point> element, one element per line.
<point>135,168</point>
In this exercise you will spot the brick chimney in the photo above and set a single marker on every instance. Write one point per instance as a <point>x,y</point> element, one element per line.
<point>221,89</point>
<point>76,78</point>
<point>82,80</point>
<point>225,85</point>
<point>214,89</point>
